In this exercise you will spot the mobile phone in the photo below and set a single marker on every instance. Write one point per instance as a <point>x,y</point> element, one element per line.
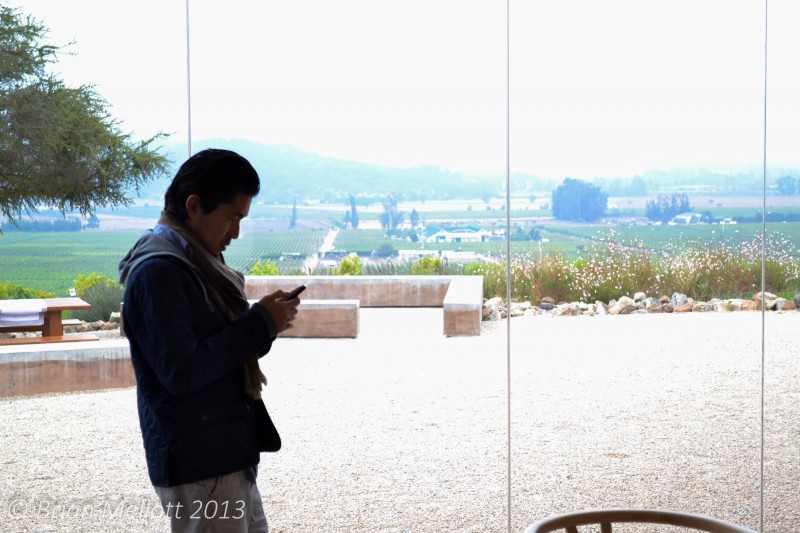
<point>295,293</point>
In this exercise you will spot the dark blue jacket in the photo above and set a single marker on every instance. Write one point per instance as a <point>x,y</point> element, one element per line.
<point>196,420</point>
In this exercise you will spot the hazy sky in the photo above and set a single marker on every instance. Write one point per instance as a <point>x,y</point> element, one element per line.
<point>597,87</point>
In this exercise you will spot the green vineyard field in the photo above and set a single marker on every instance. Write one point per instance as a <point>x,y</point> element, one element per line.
<point>52,261</point>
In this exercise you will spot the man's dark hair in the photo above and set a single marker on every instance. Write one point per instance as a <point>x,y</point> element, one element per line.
<point>216,176</point>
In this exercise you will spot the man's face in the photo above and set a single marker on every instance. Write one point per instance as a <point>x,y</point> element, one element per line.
<point>218,228</point>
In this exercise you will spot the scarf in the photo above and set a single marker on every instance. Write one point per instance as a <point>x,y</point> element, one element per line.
<point>226,287</point>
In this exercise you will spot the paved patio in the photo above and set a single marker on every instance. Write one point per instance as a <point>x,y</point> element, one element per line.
<point>403,429</point>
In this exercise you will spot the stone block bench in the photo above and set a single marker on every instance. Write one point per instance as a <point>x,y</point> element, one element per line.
<point>324,319</point>
<point>460,297</point>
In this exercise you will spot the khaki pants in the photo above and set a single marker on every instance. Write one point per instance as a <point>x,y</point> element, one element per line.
<point>224,504</point>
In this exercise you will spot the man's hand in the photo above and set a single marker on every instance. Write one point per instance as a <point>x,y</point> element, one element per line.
<point>282,311</point>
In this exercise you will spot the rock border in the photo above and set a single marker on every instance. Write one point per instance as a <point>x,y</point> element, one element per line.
<point>496,309</point>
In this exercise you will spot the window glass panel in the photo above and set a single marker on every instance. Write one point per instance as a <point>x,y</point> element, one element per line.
<point>402,427</point>
<point>75,461</point>
<point>651,409</point>
<point>782,512</point>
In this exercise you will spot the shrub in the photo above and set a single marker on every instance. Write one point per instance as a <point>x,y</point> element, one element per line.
<point>426,266</point>
<point>726,269</point>
<point>551,276</point>
<point>612,269</point>
<point>350,266</point>
<point>402,268</point>
<point>387,268</point>
<point>104,298</point>
<point>782,269</point>
<point>265,268</point>
<point>86,281</point>
<point>704,271</point>
<point>103,294</point>
<point>10,291</point>
<point>385,250</point>
<point>531,278</point>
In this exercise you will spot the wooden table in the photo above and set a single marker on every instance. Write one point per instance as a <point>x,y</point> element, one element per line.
<point>53,327</point>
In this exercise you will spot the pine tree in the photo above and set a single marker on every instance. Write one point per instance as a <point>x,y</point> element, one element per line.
<point>59,146</point>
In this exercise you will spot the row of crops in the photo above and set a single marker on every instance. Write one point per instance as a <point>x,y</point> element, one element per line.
<point>273,245</point>
<point>664,238</point>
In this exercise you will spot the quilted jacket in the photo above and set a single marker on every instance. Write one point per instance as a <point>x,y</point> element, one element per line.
<point>196,420</point>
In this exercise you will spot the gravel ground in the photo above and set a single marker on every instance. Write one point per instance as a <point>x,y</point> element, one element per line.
<point>405,430</point>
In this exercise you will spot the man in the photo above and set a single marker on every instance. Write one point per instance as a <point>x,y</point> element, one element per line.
<point>195,343</point>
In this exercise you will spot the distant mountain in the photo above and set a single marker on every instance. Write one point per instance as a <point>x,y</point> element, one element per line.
<point>287,172</point>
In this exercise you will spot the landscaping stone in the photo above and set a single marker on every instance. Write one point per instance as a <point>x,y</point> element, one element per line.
<point>749,305</point>
<point>770,300</point>
<point>491,308</point>
<point>678,299</point>
<point>723,306</point>
<point>623,306</point>
<point>493,302</point>
<point>625,309</point>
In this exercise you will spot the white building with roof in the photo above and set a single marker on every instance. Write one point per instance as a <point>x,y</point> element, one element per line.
<point>456,234</point>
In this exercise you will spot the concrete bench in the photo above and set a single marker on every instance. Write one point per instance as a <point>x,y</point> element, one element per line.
<point>461,297</point>
<point>463,307</point>
<point>325,319</point>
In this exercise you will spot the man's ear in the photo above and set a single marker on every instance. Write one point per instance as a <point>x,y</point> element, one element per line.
<point>194,205</point>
